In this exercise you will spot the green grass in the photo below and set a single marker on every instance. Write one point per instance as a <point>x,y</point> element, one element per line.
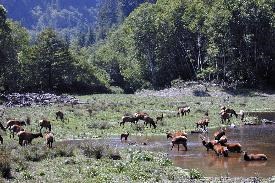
<point>93,163</point>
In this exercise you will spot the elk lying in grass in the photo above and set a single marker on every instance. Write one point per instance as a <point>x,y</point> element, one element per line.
<point>183,111</point>
<point>159,118</point>
<point>59,115</point>
<point>12,122</point>
<point>49,137</point>
<point>15,129</point>
<point>220,150</point>
<point>124,135</point>
<point>176,134</point>
<point>233,147</point>
<point>179,140</point>
<point>45,124</point>
<point>1,139</point>
<point>149,120</point>
<point>27,137</point>
<point>254,157</point>
<point>128,119</point>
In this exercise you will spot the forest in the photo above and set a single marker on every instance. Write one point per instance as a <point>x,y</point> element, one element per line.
<point>126,45</point>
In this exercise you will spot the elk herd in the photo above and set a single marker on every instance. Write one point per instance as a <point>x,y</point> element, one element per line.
<point>25,137</point>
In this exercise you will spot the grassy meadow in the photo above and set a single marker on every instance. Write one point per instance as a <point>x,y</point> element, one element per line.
<point>93,162</point>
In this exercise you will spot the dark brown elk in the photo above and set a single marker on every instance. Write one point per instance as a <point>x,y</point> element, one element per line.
<point>203,123</point>
<point>27,137</point>
<point>254,157</point>
<point>220,150</point>
<point>176,134</point>
<point>124,135</point>
<point>15,129</point>
<point>49,137</point>
<point>59,115</point>
<point>12,122</point>
<point>224,116</point>
<point>45,124</point>
<point>233,147</point>
<point>1,139</point>
<point>130,119</point>
<point>149,120</point>
<point>159,118</point>
<point>179,140</point>
<point>183,111</point>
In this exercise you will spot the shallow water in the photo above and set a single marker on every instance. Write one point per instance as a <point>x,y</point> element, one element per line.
<point>254,139</point>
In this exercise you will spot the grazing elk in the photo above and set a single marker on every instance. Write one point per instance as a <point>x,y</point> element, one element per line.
<point>59,115</point>
<point>49,137</point>
<point>220,150</point>
<point>229,111</point>
<point>124,135</point>
<point>27,137</point>
<point>45,124</point>
<point>159,118</point>
<point>179,140</point>
<point>12,122</point>
<point>149,120</point>
<point>176,134</point>
<point>224,116</point>
<point>254,157</point>
<point>128,119</point>
<point>15,129</point>
<point>183,111</point>
<point>233,147</point>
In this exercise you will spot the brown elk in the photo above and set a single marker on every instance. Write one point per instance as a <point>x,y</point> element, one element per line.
<point>27,137</point>
<point>209,144</point>
<point>222,140</point>
<point>176,134</point>
<point>49,137</point>
<point>203,123</point>
<point>124,135</point>
<point>220,150</point>
<point>15,129</point>
<point>45,124</point>
<point>224,116</point>
<point>159,118</point>
<point>12,122</point>
<point>149,120</point>
<point>128,119</point>
<point>183,111</point>
<point>179,140</point>
<point>233,147</point>
<point>254,157</point>
<point>59,115</point>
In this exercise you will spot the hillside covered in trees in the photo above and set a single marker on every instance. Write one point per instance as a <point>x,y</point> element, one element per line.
<point>91,46</point>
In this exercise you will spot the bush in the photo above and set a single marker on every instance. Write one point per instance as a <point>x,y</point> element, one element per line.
<point>195,174</point>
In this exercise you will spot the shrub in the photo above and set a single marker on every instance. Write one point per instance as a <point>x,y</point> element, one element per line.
<point>195,174</point>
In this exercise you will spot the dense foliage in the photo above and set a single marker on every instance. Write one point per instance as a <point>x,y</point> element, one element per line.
<point>136,44</point>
